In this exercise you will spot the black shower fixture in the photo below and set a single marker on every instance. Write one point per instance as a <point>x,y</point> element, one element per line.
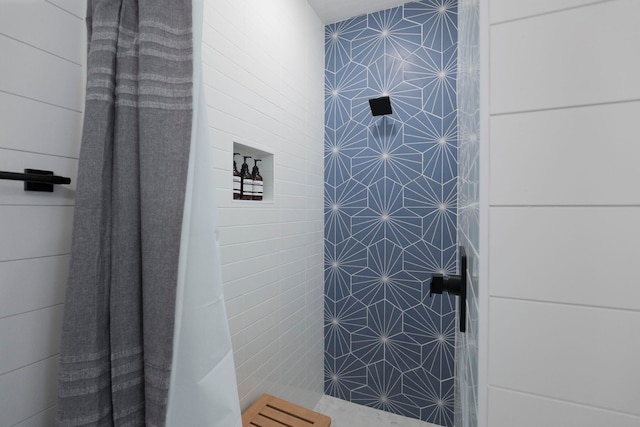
<point>380,106</point>
<point>454,285</point>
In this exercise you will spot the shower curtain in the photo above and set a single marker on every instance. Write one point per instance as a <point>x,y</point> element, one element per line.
<point>203,388</point>
<point>145,339</point>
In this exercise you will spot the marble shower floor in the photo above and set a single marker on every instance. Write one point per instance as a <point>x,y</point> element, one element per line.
<point>347,414</point>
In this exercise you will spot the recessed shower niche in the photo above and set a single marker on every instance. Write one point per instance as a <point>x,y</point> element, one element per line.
<point>252,174</point>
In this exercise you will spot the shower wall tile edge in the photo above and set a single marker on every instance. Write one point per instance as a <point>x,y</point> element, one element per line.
<point>469,141</point>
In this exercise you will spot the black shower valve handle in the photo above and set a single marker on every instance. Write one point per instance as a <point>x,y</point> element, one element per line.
<point>454,285</point>
<point>442,283</point>
<point>437,285</point>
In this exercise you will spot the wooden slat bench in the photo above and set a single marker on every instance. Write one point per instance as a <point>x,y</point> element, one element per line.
<point>269,411</point>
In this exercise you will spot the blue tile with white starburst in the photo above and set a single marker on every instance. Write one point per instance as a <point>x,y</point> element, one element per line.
<point>391,209</point>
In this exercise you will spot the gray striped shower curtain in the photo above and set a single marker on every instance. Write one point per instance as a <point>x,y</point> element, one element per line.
<point>117,341</point>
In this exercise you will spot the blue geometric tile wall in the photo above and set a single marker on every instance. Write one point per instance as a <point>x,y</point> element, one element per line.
<point>391,209</point>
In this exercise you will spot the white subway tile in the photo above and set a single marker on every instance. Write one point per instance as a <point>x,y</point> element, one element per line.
<point>221,23</point>
<point>264,246</point>
<point>237,253</point>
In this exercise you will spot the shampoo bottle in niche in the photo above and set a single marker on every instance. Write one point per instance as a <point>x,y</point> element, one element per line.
<point>237,179</point>
<point>246,188</point>
<point>257,181</point>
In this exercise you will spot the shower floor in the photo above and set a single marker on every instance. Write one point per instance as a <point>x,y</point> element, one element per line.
<point>347,414</point>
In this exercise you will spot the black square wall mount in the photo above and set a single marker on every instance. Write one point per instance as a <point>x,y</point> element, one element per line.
<point>38,186</point>
<point>380,106</point>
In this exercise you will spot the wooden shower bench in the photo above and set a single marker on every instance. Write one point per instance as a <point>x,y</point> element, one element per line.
<point>269,411</point>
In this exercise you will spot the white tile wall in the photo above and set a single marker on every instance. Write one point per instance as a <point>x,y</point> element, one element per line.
<point>264,64</point>
<point>41,86</point>
<point>563,233</point>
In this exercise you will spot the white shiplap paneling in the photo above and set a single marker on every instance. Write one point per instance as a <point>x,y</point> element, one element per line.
<point>35,231</point>
<point>13,193</point>
<point>33,283</point>
<point>28,391</point>
<point>568,58</point>
<point>535,411</point>
<point>570,353</point>
<point>74,7</point>
<point>30,125</point>
<point>35,74</point>
<point>41,87</point>
<point>587,160</point>
<point>34,336</point>
<point>41,419</point>
<point>33,23</point>
<point>505,10</point>
<point>574,255</point>
<point>563,216</point>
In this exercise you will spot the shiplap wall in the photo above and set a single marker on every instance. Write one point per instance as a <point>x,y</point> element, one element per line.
<point>42,44</point>
<point>264,81</point>
<point>564,303</point>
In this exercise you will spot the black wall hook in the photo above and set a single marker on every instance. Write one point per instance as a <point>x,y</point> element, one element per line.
<point>454,285</point>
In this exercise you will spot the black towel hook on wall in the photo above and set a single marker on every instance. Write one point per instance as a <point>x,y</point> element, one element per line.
<point>36,179</point>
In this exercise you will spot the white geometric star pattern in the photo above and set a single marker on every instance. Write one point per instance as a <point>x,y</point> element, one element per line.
<point>391,209</point>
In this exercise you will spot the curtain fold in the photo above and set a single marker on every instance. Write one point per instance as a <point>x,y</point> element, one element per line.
<point>203,382</point>
<point>118,328</point>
